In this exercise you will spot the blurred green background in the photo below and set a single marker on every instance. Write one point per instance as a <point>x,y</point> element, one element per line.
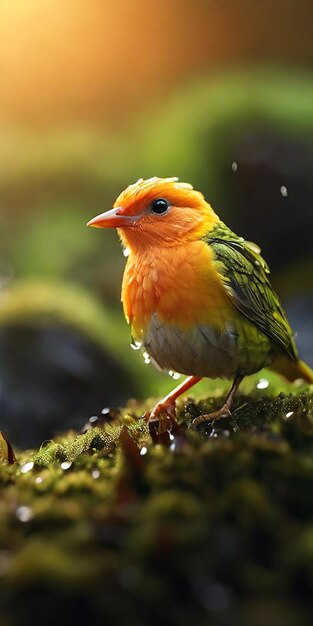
<point>92,97</point>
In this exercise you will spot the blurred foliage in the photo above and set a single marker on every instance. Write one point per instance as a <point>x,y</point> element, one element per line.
<point>190,133</point>
<point>104,527</point>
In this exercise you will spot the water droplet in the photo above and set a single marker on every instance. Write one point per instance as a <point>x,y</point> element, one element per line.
<point>213,434</point>
<point>27,467</point>
<point>234,166</point>
<point>289,414</point>
<point>284,191</point>
<point>38,480</point>
<point>146,357</point>
<point>95,473</point>
<point>24,513</point>
<point>135,345</point>
<point>126,252</point>
<point>93,419</point>
<point>262,383</point>
<point>174,375</point>
<point>66,465</point>
<point>143,450</point>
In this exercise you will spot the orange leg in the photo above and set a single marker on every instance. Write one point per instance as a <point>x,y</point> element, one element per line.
<point>225,409</point>
<point>167,405</point>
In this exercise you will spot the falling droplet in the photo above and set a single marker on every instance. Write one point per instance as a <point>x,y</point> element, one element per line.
<point>126,252</point>
<point>39,480</point>
<point>27,467</point>
<point>289,414</point>
<point>262,383</point>
<point>143,450</point>
<point>234,166</point>
<point>146,357</point>
<point>95,473</point>
<point>24,513</point>
<point>284,191</point>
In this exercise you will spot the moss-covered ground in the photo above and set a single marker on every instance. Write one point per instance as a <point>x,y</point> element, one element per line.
<point>105,527</point>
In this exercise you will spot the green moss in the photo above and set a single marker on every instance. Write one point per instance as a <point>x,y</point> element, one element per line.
<point>103,526</point>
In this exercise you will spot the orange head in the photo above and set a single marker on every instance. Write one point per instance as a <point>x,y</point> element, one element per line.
<point>158,212</point>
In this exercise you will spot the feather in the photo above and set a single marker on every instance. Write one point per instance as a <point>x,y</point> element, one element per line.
<point>246,280</point>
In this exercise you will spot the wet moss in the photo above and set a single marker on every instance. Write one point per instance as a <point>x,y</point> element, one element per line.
<point>105,527</point>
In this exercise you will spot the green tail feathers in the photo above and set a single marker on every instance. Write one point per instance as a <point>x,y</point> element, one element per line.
<point>292,369</point>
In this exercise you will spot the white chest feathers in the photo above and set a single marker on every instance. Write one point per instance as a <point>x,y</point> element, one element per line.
<point>200,351</point>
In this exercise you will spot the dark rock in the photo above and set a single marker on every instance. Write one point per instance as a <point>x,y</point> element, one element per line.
<point>51,378</point>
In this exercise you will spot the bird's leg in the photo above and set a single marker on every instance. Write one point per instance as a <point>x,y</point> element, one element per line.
<point>225,409</point>
<point>166,406</point>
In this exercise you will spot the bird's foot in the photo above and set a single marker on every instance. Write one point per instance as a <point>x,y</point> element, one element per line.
<point>162,422</point>
<point>224,411</point>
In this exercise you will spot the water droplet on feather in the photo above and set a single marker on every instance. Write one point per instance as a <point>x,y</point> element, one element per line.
<point>135,345</point>
<point>174,375</point>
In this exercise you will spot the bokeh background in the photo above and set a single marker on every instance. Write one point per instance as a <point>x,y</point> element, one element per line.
<point>94,95</point>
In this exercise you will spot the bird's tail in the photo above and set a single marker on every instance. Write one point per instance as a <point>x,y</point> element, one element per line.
<point>292,369</point>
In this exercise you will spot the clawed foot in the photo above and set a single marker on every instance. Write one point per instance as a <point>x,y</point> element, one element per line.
<point>210,417</point>
<point>162,422</point>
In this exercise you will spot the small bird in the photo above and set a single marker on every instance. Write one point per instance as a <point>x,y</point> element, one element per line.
<point>196,296</point>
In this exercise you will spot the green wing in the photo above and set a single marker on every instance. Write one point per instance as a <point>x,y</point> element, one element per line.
<point>246,280</point>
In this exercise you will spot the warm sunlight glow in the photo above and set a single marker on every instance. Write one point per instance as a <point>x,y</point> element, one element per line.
<point>61,59</point>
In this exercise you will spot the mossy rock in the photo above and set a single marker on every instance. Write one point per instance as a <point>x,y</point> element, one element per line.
<point>104,527</point>
<point>62,356</point>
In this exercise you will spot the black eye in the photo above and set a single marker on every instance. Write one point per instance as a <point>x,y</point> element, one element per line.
<point>159,206</point>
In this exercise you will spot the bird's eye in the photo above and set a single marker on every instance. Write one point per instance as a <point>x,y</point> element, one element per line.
<point>159,206</point>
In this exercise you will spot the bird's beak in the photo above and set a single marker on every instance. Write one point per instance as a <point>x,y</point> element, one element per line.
<point>113,219</point>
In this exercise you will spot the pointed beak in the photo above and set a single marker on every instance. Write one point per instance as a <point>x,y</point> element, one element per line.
<point>113,219</point>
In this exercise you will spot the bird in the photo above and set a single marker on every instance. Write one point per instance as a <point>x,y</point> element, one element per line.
<point>197,296</point>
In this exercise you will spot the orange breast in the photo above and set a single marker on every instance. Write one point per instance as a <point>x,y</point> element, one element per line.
<point>181,284</point>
